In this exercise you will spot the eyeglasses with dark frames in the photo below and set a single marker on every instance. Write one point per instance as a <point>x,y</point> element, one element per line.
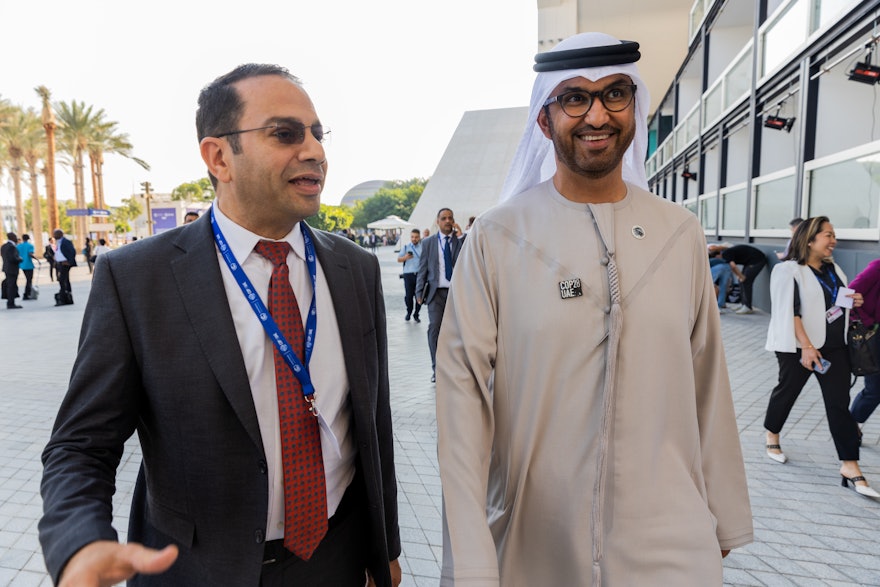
<point>577,103</point>
<point>289,133</point>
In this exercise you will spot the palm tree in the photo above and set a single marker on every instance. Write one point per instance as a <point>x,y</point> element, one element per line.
<point>6,112</point>
<point>11,135</point>
<point>49,125</point>
<point>106,138</point>
<point>34,150</point>
<point>78,122</point>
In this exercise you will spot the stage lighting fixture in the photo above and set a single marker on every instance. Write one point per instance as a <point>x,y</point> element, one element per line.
<point>689,174</point>
<point>779,123</point>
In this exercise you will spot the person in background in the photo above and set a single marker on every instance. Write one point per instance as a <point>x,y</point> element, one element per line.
<point>722,274</point>
<point>585,426</point>
<point>101,248</point>
<point>793,224</point>
<point>65,258</point>
<point>49,256</point>
<point>436,263</point>
<point>753,261</point>
<point>808,334</point>
<point>410,254</point>
<point>190,217</point>
<point>263,411</point>
<point>26,251</point>
<point>426,233</point>
<point>11,263</point>
<point>88,256</point>
<point>867,283</point>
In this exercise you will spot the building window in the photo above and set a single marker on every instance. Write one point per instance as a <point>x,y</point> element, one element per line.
<point>846,188</point>
<point>826,11</point>
<point>709,212</point>
<point>785,32</point>
<point>774,201</point>
<point>733,209</point>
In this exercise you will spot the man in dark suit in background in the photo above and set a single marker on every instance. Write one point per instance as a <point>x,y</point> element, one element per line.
<point>202,370</point>
<point>439,255</point>
<point>65,258</point>
<point>11,264</point>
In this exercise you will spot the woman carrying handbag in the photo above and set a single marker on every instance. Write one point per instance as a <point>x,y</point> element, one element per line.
<point>808,333</point>
<point>867,283</point>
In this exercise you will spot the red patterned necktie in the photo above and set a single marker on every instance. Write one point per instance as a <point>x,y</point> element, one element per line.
<point>305,489</point>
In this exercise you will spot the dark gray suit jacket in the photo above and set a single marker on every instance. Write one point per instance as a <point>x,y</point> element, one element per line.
<point>158,355</point>
<point>429,264</point>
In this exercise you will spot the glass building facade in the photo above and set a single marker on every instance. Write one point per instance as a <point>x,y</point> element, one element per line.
<point>789,61</point>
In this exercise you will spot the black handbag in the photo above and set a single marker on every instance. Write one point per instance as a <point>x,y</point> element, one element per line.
<point>862,342</point>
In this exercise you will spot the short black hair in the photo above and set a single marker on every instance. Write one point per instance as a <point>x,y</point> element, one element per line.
<point>221,106</point>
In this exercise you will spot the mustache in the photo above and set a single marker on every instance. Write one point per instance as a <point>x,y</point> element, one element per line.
<point>596,129</point>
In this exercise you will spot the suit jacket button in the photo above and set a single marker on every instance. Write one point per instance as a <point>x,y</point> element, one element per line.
<point>259,536</point>
<point>263,467</point>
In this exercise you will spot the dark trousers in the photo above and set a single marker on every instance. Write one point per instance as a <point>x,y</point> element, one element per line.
<point>750,272</point>
<point>341,557</point>
<point>409,285</point>
<point>63,270</point>
<point>11,287</point>
<point>436,307</point>
<point>868,399</point>
<point>28,283</point>
<point>835,393</point>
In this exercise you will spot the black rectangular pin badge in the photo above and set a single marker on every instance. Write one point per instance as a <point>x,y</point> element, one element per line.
<point>570,288</point>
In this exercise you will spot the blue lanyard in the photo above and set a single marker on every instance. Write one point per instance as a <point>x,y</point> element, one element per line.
<point>300,370</point>
<point>833,277</point>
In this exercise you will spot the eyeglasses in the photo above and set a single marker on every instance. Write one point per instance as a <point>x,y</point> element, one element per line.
<point>289,133</point>
<point>578,102</point>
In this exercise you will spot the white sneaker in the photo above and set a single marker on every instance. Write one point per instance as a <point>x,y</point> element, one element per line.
<point>733,306</point>
<point>744,310</point>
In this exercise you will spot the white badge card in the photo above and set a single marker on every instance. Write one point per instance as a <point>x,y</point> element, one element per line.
<point>833,314</point>
<point>842,300</point>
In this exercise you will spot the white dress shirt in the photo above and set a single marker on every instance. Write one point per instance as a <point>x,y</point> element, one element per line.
<point>329,379</point>
<point>442,281</point>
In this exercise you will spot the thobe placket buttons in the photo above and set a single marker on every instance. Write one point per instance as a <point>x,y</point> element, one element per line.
<point>305,490</point>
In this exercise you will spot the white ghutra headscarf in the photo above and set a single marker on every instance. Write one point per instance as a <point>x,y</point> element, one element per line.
<point>535,159</point>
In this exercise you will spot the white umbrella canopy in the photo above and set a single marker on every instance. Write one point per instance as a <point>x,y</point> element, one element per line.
<point>389,223</point>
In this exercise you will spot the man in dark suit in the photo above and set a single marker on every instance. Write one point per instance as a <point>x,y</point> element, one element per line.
<point>196,372</point>
<point>65,258</point>
<point>439,254</point>
<point>11,263</point>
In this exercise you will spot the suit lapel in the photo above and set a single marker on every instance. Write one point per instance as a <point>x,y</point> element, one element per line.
<point>197,276</point>
<point>346,288</point>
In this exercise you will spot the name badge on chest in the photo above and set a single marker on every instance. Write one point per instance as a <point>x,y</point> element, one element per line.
<point>570,288</point>
<point>833,314</point>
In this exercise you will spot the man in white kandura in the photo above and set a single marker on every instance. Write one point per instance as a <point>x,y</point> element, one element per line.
<point>585,421</point>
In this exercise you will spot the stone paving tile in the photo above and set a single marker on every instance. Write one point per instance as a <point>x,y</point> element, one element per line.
<point>809,530</point>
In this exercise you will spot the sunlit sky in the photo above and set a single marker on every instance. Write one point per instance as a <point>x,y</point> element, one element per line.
<point>391,78</point>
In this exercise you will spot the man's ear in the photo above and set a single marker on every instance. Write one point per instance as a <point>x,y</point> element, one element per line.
<point>215,153</point>
<point>544,123</point>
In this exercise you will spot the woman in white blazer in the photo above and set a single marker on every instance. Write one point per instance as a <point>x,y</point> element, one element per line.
<point>808,333</point>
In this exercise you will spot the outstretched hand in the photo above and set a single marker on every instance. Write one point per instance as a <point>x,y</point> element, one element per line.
<point>105,563</point>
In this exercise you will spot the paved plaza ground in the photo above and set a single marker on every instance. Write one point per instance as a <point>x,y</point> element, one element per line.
<point>808,529</point>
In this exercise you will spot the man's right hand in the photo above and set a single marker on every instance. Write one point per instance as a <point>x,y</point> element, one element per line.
<point>105,563</point>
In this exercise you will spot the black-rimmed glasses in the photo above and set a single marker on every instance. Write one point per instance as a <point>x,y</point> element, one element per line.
<point>577,103</point>
<point>289,133</point>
